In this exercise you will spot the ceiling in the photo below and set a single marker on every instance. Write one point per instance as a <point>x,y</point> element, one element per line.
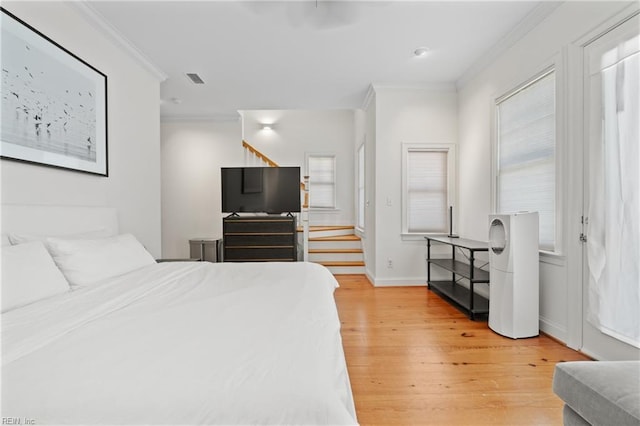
<point>304,54</point>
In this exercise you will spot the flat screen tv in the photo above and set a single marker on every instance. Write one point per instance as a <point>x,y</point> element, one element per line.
<point>272,190</point>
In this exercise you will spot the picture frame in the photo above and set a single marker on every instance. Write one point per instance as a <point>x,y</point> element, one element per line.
<point>54,104</point>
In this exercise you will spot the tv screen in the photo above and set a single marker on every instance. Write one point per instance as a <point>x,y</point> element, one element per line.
<point>260,189</point>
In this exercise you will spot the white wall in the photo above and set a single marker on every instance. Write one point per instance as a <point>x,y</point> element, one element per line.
<point>365,125</point>
<point>192,154</point>
<point>546,44</point>
<point>194,151</point>
<point>426,115</point>
<point>300,132</point>
<point>133,185</point>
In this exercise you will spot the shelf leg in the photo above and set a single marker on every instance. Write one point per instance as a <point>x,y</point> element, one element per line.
<point>453,257</point>
<point>471,293</point>
<point>428,263</point>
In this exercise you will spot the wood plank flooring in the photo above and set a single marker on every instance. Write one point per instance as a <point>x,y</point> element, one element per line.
<point>413,359</point>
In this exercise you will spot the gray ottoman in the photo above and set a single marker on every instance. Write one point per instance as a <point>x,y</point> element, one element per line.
<point>599,392</point>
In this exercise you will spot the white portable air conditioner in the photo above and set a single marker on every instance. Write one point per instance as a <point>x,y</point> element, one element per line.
<point>513,268</point>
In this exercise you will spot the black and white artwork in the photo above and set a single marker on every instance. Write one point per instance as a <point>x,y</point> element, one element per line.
<point>54,105</point>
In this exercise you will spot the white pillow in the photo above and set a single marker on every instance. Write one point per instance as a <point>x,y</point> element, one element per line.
<point>88,235</point>
<point>86,262</point>
<point>28,275</point>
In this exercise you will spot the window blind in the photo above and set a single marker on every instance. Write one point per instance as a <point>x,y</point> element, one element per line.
<point>427,190</point>
<point>526,154</point>
<point>322,187</point>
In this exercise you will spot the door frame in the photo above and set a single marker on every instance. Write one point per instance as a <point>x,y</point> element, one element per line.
<point>576,150</point>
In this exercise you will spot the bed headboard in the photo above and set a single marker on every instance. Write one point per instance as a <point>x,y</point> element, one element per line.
<point>55,220</point>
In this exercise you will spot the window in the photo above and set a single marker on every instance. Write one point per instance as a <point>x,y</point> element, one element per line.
<point>361,196</point>
<point>322,181</point>
<point>526,148</point>
<point>427,183</point>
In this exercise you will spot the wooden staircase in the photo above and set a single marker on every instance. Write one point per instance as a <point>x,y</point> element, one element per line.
<point>337,248</point>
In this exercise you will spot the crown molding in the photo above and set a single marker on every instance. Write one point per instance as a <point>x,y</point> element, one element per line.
<point>98,21</point>
<point>427,87</point>
<point>368,97</point>
<point>528,23</point>
<point>213,118</point>
<point>629,12</point>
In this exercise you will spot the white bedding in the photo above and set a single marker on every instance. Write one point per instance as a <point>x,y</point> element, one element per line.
<point>182,343</point>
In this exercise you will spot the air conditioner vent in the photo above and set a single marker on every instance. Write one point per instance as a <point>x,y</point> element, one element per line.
<point>195,78</point>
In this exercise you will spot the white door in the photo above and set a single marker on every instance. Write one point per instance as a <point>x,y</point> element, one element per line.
<point>611,287</point>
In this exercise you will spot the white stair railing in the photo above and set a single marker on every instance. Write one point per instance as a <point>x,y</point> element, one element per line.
<point>253,157</point>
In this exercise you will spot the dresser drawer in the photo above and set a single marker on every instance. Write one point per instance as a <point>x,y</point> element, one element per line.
<point>258,254</point>
<point>254,226</point>
<point>243,240</point>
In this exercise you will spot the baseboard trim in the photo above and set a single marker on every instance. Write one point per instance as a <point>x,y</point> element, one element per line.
<point>553,329</point>
<point>400,282</point>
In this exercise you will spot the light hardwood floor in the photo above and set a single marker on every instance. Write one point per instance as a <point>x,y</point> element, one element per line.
<point>413,359</point>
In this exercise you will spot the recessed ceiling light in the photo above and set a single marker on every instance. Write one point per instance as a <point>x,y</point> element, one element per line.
<point>421,51</point>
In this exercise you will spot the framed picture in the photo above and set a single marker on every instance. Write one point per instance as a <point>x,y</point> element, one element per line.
<point>54,104</point>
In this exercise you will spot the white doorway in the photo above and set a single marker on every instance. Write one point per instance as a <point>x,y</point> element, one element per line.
<point>611,252</point>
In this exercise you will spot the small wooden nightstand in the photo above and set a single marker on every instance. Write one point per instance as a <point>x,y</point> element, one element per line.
<point>205,249</point>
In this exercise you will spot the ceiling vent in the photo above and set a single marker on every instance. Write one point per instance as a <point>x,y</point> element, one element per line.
<point>195,78</point>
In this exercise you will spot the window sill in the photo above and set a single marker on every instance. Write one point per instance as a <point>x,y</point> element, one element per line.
<point>323,210</point>
<point>552,258</point>
<point>420,237</point>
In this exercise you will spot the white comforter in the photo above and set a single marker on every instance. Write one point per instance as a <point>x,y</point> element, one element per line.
<point>182,343</point>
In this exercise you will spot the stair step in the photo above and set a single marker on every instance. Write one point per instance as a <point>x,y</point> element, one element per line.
<point>333,255</point>
<point>338,268</point>
<point>347,270</point>
<point>335,250</point>
<point>333,245</point>
<point>341,263</point>
<point>328,231</point>
<point>327,228</point>
<point>350,237</point>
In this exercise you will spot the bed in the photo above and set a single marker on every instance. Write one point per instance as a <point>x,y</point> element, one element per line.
<point>166,343</point>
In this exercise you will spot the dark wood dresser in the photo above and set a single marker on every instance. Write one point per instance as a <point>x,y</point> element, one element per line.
<point>259,239</point>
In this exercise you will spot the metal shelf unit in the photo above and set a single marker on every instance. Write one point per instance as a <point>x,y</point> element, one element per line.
<point>464,298</point>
